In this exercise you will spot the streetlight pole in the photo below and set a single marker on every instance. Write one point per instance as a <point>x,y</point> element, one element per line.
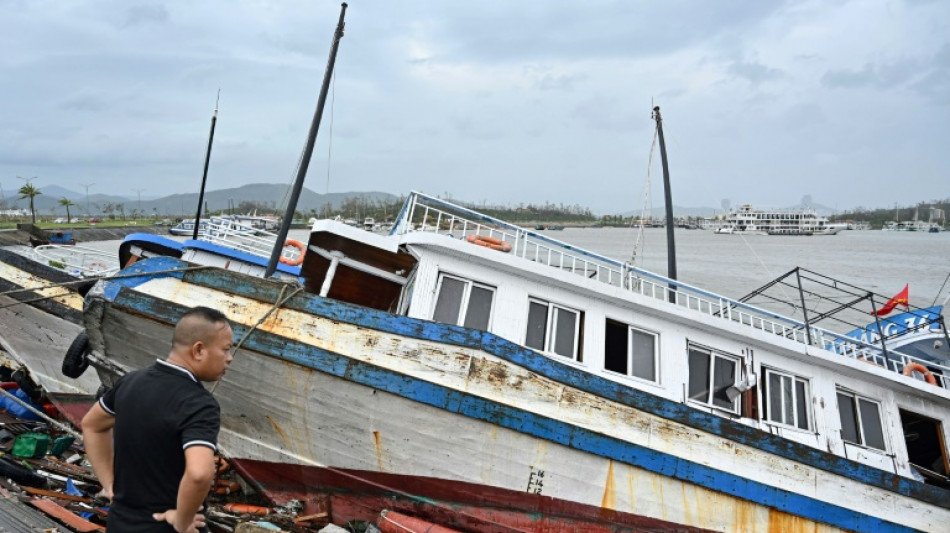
<point>139,191</point>
<point>87,185</point>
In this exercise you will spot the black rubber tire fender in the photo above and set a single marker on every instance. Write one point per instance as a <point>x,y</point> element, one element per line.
<point>20,474</point>
<point>23,379</point>
<point>77,361</point>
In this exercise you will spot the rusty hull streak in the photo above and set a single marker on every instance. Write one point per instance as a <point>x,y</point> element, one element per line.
<point>379,450</point>
<point>780,522</point>
<point>279,430</point>
<point>609,500</point>
<point>743,514</point>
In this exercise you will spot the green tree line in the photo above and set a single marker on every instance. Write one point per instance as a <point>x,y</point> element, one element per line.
<point>877,217</point>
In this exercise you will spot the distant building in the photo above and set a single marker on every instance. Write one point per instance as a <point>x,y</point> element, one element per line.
<point>14,213</point>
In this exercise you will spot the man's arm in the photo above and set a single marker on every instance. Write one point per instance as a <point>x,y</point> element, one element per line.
<point>97,435</point>
<point>194,486</point>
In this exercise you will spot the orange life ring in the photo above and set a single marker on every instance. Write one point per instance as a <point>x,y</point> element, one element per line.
<point>910,368</point>
<point>490,242</point>
<point>297,260</point>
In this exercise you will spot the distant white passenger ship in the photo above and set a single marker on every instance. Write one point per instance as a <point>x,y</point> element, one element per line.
<point>803,221</point>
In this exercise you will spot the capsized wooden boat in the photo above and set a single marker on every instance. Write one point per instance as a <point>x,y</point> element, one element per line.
<point>409,370</point>
<point>40,316</point>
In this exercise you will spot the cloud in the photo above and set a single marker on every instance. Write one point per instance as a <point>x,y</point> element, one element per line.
<point>491,32</point>
<point>930,79</point>
<point>754,72</point>
<point>528,98</point>
<point>935,82</point>
<point>474,129</point>
<point>848,79</point>
<point>881,76</point>
<point>144,14</point>
<point>602,113</point>
<point>551,79</point>
<point>83,102</point>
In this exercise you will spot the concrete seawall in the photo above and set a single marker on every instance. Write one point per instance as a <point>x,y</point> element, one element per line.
<point>21,235</point>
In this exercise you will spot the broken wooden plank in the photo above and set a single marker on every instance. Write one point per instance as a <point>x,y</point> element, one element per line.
<point>58,495</point>
<point>76,522</point>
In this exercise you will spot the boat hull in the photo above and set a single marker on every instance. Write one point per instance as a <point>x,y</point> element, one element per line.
<point>40,319</point>
<point>360,494</point>
<point>323,387</point>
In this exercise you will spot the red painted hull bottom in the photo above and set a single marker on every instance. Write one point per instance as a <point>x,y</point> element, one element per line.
<point>72,406</point>
<point>361,495</point>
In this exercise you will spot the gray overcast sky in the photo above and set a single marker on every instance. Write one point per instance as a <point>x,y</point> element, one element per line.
<point>506,102</point>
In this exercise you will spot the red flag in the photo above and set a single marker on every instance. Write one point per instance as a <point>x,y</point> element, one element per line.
<point>900,298</point>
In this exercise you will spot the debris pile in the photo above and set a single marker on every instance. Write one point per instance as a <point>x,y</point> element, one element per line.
<point>46,482</point>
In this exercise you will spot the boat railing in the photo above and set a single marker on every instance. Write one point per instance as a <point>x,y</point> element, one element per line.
<point>426,213</point>
<point>238,236</point>
<point>76,260</point>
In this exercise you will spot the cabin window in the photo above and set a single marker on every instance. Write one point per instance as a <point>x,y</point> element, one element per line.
<point>630,351</point>
<point>463,302</point>
<point>786,399</point>
<point>926,448</point>
<point>710,374</point>
<point>553,328</point>
<point>860,420</point>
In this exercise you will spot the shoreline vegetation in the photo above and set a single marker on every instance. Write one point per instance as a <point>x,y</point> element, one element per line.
<point>548,215</point>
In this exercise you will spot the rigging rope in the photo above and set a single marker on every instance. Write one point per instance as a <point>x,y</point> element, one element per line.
<point>937,296</point>
<point>326,190</point>
<point>281,300</point>
<point>764,267</point>
<point>290,184</point>
<point>638,244</point>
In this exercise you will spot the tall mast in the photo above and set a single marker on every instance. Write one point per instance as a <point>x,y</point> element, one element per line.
<point>204,175</point>
<point>670,243</point>
<point>308,151</point>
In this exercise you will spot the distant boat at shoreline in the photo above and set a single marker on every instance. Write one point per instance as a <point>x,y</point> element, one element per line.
<point>747,220</point>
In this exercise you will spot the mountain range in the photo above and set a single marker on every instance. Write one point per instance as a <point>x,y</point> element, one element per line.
<point>274,195</point>
<point>264,194</point>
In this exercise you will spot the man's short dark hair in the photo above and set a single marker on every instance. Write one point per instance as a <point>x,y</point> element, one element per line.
<point>198,324</point>
<point>211,315</point>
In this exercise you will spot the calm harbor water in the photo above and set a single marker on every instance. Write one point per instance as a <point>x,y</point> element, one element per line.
<point>734,265</point>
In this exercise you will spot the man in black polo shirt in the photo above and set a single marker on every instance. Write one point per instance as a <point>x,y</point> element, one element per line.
<point>151,438</point>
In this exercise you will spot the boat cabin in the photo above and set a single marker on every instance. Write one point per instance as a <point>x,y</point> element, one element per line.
<point>715,354</point>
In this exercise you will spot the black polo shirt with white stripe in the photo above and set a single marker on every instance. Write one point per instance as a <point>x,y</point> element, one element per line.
<point>159,412</point>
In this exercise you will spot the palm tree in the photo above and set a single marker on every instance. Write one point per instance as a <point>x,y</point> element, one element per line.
<point>29,191</point>
<point>66,202</point>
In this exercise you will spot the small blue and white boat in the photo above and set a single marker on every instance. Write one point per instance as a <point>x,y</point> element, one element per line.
<point>187,227</point>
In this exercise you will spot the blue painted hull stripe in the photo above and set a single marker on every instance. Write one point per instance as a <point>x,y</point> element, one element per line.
<point>264,290</point>
<point>513,418</point>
